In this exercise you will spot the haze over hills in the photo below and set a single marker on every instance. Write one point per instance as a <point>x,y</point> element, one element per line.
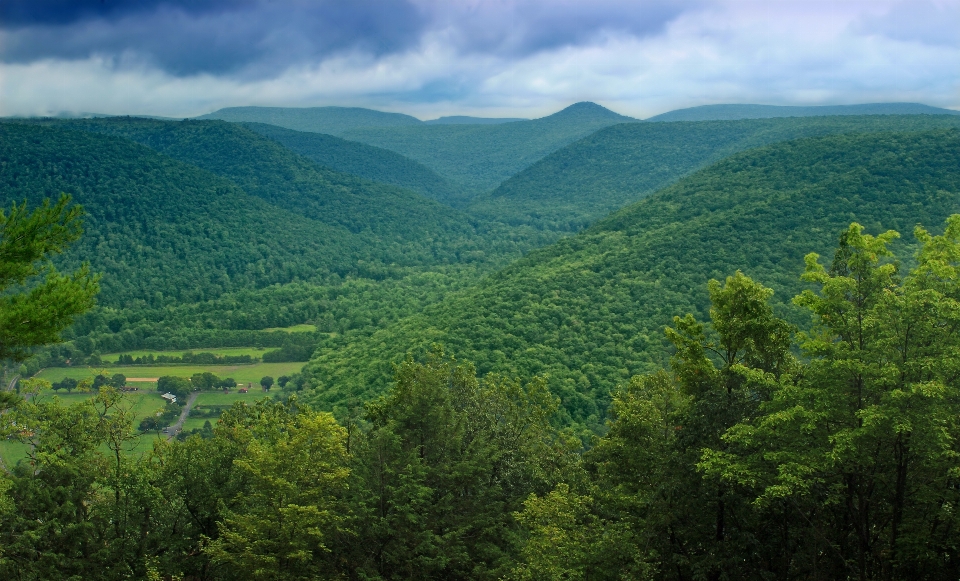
<point>582,182</point>
<point>361,160</point>
<point>475,154</point>
<point>331,120</point>
<point>479,157</point>
<point>589,310</point>
<point>746,111</point>
<point>467,120</point>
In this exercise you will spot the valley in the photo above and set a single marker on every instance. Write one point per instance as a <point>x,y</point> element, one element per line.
<point>461,339</point>
<point>383,256</point>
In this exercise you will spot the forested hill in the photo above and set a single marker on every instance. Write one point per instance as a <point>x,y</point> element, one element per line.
<point>618,165</point>
<point>728,112</point>
<point>479,157</point>
<point>331,120</point>
<point>589,311</point>
<point>163,231</point>
<point>265,169</point>
<point>360,159</point>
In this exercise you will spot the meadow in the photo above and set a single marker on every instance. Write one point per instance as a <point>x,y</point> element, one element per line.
<point>250,373</point>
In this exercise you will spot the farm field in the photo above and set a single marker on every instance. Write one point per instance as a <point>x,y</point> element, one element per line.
<point>232,351</point>
<point>241,373</point>
<point>302,328</point>
<point>207,398</point>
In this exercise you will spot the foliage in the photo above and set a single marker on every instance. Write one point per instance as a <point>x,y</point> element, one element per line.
<point>359,159</point>
<point>188,358</point>
<point>444,462</point>
<point>294,467</point>
<point>745,462</point>
<point>162,231</point>
<point>172,239</point>
<point>588,311</point>
<point>298,347</point>
<point>34,313</point>
<point>178,386</point>
<point>578,184</point>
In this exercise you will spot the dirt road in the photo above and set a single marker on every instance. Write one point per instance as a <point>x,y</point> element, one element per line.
<point>173,430</point>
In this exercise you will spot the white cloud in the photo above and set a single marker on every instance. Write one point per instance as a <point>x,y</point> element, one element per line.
<point>769,52</point>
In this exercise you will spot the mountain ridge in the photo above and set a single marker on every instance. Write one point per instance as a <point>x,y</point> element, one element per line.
<point>588,311</point>
<point>729,112</point>
<point>618,165</point>
<point>331,120</point>
<point>479,157</point>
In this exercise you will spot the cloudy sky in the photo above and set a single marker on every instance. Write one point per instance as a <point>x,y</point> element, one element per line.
<point>518,58</point>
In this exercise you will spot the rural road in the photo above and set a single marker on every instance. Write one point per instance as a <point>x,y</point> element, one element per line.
<point>175,428</point>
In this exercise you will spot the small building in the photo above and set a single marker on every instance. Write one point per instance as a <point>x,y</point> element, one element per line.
<point>169,397</point>
<point>243,390</point>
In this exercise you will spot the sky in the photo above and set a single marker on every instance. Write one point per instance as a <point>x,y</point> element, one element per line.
<point>490,58</point>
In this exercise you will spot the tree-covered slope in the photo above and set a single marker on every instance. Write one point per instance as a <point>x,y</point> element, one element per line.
<point>589,311</point>
<point>332,120</point>
<point>479,157</point>
<point>618,165</point>
<point>728,112</point>
<point>401,226</point>
<point>161,230</point>
<point>359,159</point>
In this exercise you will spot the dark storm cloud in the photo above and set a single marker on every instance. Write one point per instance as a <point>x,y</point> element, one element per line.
<point>262,38</point>
<point>522,28</point>
<point>17,13</point>
<point>251,38</point>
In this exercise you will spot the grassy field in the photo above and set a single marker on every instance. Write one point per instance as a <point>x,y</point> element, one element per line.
<point>304,328</point>
<point>147,401</point>
<point>11,452</point>
<point>219,398</point>
<point>241,373</point>
<point>251,351</point>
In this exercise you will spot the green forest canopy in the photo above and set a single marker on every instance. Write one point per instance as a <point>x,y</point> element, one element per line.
<point>616,166</point>
<point>589,311</point>
<point>359,159</point>
<point>479,157</point>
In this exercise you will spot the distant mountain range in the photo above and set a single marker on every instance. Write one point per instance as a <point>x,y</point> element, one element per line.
<point>337,120</point>
<point>330,120</point>
<point>730,112</point>
<point>475,154</point>
<point>480,157</point>
<point>465,120</point>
